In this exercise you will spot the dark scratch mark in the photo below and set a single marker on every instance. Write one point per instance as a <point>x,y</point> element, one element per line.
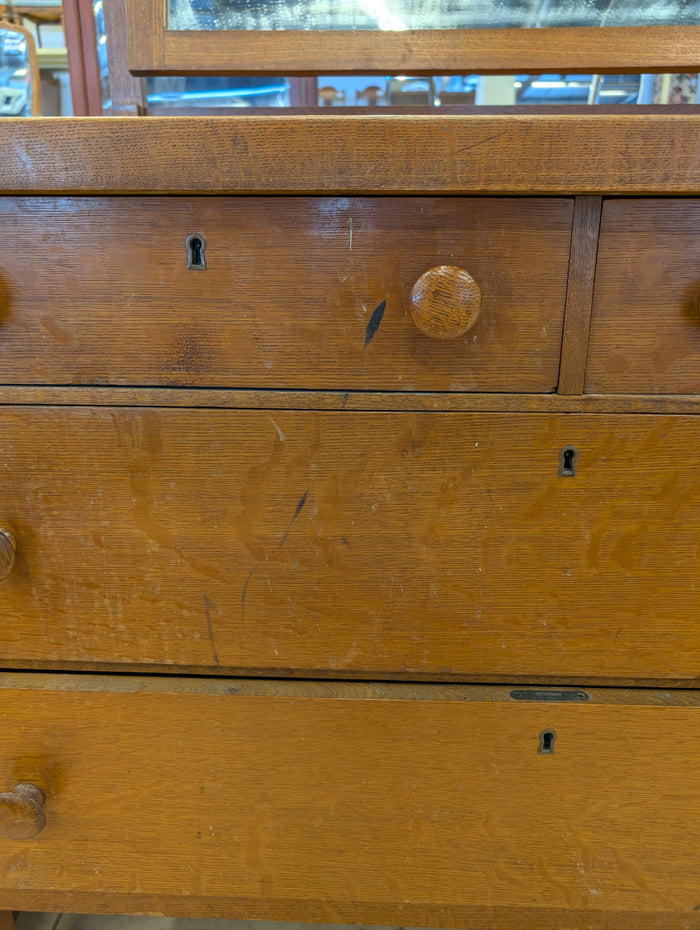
<point>478,142</point>
<point>245,589</point>
<point>346,397</point>
<point>300,505</point>
<point>697,907</point>
<point>207,607</point>
<point>374,322</point>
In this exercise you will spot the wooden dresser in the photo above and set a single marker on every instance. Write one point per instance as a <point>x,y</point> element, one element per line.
<point>309,614</point>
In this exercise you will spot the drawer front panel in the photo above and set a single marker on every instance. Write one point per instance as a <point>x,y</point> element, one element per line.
<point>297,292</point>
<point>645,327</point>
<point>356,808</point>
<point>353,543</point>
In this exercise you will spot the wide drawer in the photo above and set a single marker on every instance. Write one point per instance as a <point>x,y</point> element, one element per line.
<point>352,543</point>
<point>358,803</point>
<point>645,326</point>
<point>297,292</point>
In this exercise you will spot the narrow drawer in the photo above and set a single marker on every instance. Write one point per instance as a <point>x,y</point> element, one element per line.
<point>353,803</point>
<point>645,327</point>
<point>297,292</point>
<point>470,545</point>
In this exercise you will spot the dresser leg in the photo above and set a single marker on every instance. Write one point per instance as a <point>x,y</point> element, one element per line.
<point>7,920</point>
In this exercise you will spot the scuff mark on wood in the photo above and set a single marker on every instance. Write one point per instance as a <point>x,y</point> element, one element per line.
<point>300,507</point>
<point>208,604</point>
<point>374,323</point>
<point>278,429</point>
<point>283,540</point>
<point>245,589</point>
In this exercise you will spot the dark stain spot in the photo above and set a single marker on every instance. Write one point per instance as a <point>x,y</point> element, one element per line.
<point>207,609</point>
<point>690,304</point>
<point>344,541</point>
<point>374,323</point>
<point>346,397</point>
<point>697,907</point>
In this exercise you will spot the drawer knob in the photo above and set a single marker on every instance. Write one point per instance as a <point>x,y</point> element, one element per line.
<point>7,553</point>
<point>445,302</point>
<point>22,812</point>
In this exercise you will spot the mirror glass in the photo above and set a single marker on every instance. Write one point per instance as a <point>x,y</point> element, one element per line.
<point>396,15</point>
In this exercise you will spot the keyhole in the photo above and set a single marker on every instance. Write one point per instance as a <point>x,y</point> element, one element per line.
<point>196,245</point>
<point>567,462</point>
<point>547,738</point>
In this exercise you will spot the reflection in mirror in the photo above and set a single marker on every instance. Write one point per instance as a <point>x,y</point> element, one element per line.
<point>396,15</point>
<point>19,72</point>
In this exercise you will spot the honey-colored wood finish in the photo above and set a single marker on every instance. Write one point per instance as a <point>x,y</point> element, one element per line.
<point>219,398</point>
<point>645,327</point>
<point>503,154</point>
<point>220,804</point>
<point>582,267</point>
<point>154,49</point>
<point>342,543</point>
<point>436,402</point>
<point>445,302</point>
<point>111,298</point>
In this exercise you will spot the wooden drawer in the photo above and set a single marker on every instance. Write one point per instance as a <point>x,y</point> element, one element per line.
<point>355,802</point>
<point>645,327</point>
<point>352,543</point>
<point>298,292</point>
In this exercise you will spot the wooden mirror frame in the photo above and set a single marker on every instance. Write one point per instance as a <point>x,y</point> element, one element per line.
<point>155,49</point>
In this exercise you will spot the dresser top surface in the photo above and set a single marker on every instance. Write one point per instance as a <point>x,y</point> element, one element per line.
<point>626,154</point>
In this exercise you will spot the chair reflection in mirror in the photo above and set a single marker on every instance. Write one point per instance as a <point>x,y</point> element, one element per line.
<point>19,72</point>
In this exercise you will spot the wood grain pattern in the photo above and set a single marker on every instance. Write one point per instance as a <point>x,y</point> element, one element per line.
<point>337,689</point>
<point>445,302</point>
<point>190,814</point>
<point>111,299</point>
<point>153,49</point>
<point>346,543</point>
<point>645,326</point>
<point>127,93</point>
<point>504,154</point>
<point>579,296</point>
<point>231,399</point>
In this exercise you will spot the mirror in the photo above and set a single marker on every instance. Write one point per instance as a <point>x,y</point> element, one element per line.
<point>400,15</point>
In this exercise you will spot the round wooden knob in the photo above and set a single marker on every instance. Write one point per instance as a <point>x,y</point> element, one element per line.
<point>445,302</point>
<point>7,553</point>
<point>21,812</point>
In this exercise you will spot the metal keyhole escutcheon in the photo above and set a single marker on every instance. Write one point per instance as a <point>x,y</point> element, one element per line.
<point>196,244</point>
